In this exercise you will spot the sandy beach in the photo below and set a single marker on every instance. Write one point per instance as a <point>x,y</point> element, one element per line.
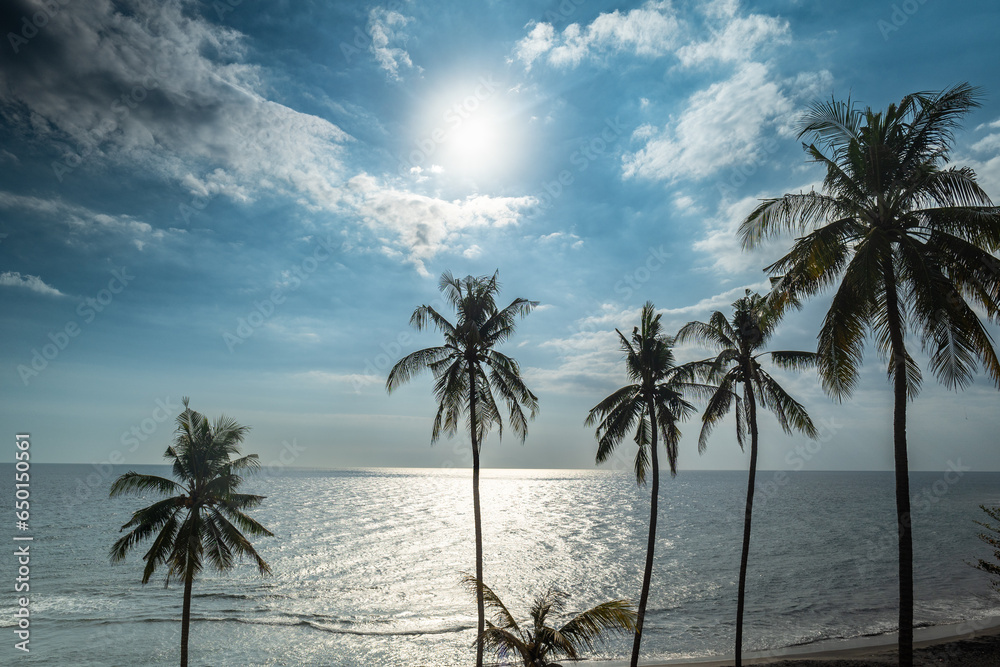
<point>970,644</point>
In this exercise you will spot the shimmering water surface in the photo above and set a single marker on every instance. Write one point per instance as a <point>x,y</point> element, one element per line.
<point>367,564</point>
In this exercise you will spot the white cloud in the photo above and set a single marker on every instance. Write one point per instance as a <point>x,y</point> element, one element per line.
<point>81,223</point>
<point>722,243</point>
<point>191,110</point>
<point>538,41</point>
<point>385,26</point>
<point>424,226</point>
<point>28,282</point>
<point>985,160</point>
<point>472,252</point>
<point>720,126</point>
<point>651,30</point>
<point>736,41</point>
<point>655,30</point>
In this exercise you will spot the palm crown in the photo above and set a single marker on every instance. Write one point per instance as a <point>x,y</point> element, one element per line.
<point>899,226</point>
<point>739,344</point>
<point>469,350</point>
<point>205,519</point>
<point>649,363</point>
<point>540,641</point>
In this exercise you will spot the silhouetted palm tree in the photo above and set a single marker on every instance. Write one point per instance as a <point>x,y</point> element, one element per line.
<point>466,370</point>
<point>540,642</point>
<point>739,344</point>
<point>651,406</point>
<point>205,519</point>
<point>991,568</point>
<point>909,240</point>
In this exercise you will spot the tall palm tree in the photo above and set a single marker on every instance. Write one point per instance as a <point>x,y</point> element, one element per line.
<point>652,405</point>
<point>739,344</point>
<point>205,519</point>
<point>538,643</point>
<point>909,240</point>
<point>466,370</point>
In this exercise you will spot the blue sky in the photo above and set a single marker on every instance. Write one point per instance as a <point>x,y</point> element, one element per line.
<point>245,203</point>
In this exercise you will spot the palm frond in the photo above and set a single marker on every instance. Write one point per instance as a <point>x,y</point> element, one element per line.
<point>137,483</point>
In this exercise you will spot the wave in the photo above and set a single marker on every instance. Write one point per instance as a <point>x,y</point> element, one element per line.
<point>325,624</point>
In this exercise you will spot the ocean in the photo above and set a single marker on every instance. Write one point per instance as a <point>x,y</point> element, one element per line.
<point>367,564</point>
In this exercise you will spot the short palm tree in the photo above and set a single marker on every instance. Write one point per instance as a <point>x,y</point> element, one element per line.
<point>467,369</point>
<point>993,539</point>
<point>909,239</point>
<point>540,642</point>
<point>739,344</point>
<point>205,519</point>
<point>652,405</point>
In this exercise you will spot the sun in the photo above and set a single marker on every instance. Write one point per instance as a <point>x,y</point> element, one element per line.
<point>469,132</point>
<point>474,141</point>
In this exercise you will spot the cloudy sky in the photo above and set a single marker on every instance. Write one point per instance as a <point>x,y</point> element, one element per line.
<point>243,202</point>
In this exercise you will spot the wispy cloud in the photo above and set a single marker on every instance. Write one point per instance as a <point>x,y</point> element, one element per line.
<point>82,224</point>
<point>417,227</point>
<point>385,27</point>
<point>652,30</point>
<point>28,282</point>
<point>721,126</point>
<point>192,109</point>
<point>656,30</point>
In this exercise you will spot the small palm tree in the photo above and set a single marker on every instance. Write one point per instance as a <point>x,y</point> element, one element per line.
<point>540,642</point>
<point>909,239</point>
<point>739,344</point>
<point>652,405</point>
<point>991,568</point>
<point>205,519</point>
<point>466,371</point>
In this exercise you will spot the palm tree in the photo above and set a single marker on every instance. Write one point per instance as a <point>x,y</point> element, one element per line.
<point>909,240</point>
<point>466,370</point>
<point>205,519</point>
<point>538,643</point>
<point>652,405</point>
<point>739,344</point>
<point>991,568</point>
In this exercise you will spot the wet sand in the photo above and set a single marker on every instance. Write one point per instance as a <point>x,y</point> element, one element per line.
<point>970,644</point>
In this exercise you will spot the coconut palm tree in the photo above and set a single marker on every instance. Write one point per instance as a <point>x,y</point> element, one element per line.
<point>205,519</point>
<point>540,642</point>
<point>652,405</point>
<point>909,239</point>
<point>993,539</point>
<point>739,344</point>
<point>467,369</point>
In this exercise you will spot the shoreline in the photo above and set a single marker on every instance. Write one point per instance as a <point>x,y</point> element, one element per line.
<point>960,643</point>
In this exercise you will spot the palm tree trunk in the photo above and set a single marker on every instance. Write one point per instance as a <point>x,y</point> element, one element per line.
<point>902,471</point>
<point>650,543</point>
<point>748,514</point>
<point>478,516</point>
<point>186,618</point>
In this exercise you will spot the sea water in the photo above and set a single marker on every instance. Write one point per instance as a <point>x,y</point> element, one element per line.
<point>367,564</point>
